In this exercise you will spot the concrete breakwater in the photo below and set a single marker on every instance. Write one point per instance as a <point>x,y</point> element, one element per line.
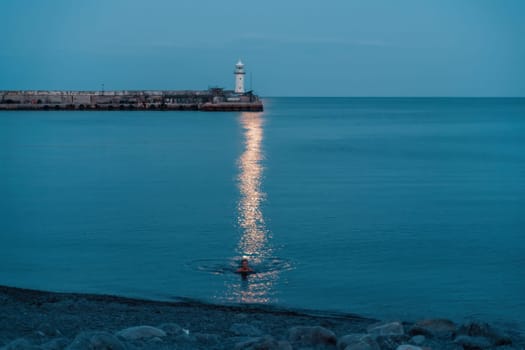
<point>215,99</point>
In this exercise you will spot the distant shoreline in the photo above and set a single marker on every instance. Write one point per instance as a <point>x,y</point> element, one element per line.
<point>75,320</point>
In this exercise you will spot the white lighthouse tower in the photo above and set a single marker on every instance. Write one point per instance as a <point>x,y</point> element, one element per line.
<point>239,77</point>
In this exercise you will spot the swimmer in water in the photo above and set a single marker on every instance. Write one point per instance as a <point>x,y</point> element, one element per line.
<point>245,269</point>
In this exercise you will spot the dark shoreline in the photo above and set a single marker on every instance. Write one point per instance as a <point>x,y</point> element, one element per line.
<point>35,319</point>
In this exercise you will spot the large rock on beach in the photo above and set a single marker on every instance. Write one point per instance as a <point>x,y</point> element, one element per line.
<point>96,341</point>
<point>438,328</point>
<point>391,342</point>
<point>312,336</point>
<point>140,332</point>
<point>386,329</point>
<point>418,339</point>
<point>357,342</point>
<point>468,342</point>
<point>483,329</point>
<point>476,329</point>
<point>245,330</point>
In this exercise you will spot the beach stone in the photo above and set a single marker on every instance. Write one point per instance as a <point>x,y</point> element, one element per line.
<point>140,332</point>
<point>46,330</point>
<point>241,316</point>
<point>390,341</point>
<point>208,339</point>
<point>266,342</point>
<point>245,329</point>
<point>408,347</point>
<point>20,344</point>
<point>483,329</point>
<point>155,340</point>
<point>252,343</point>
<point>4,299</point>
<point>359,346</point>
<point>357,342</point>
<point>312,336</point>
<point>475,342</point>
<point>439,328</point>
<point>96,341</point>
<point>476,329</point>
<point>185,338</point>
<point>171,328</point>
<point>245,342</point>
<point>284,345</point>
<point>386,329</point>
<point>418,339</point>
<point>55,344</point>
<point>502,339</point>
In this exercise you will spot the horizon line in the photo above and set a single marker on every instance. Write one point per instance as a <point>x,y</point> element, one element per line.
<point>270,96</point>
<point>429,96</point>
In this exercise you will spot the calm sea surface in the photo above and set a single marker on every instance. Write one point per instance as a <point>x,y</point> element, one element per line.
<point>392,208</point>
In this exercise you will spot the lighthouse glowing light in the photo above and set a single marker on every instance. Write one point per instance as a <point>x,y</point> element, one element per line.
<point>239,77</point>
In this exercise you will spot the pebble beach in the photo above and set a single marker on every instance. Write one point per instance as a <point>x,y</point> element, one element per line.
<point>55,321</point>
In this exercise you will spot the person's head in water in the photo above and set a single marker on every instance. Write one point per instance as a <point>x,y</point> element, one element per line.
<point>244,268</point>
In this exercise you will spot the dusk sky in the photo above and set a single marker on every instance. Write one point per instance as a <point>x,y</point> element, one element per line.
<point>291,48</point>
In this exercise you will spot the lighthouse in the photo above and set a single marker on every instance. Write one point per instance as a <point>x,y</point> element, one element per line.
<point>239,77</point>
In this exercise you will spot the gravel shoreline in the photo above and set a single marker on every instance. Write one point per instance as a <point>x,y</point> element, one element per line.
<point>32,319</point>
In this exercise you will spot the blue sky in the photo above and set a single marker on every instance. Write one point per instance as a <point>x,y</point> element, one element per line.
<point>291,48</point>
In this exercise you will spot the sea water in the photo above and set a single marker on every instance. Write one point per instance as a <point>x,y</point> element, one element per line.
<point>384,207</point>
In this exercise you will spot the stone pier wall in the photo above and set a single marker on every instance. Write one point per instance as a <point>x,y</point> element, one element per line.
<point>208,100</point>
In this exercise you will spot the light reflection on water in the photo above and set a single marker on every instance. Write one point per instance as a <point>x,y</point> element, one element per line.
<point>255,235</point>
<point>254,242</point>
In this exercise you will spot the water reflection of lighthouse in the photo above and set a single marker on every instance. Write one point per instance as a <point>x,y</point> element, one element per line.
<point>254,241</point>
